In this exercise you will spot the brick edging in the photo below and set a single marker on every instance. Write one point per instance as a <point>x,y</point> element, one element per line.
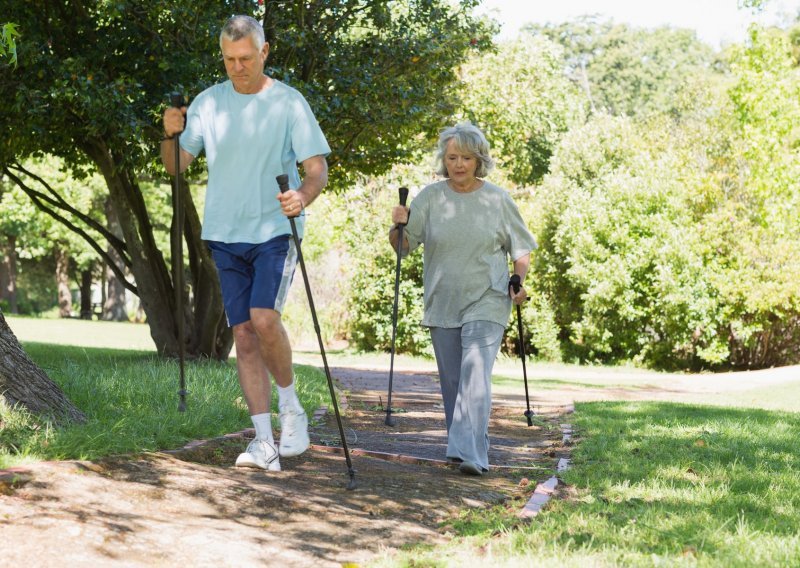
<point>545,490</point>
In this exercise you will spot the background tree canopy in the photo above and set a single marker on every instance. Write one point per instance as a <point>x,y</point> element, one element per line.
<point>659,176</point>
<point>94,77</point>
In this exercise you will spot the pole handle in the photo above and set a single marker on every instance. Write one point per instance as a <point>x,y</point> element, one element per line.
<point>403,196</point>
<point>283,182</point>
<point>176,100</point>
<point>515,282</point>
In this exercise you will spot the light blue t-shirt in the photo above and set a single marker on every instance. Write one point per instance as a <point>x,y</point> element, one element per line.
<point>248,141</point>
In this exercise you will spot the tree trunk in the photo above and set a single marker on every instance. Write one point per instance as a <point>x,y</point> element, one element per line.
<point>8,274</point>
<point>210,332</point>
<point>86,294</point>
<point>23,382</point>
<point>62,282</point>
<point>207,332</point>
<point>114,308</point>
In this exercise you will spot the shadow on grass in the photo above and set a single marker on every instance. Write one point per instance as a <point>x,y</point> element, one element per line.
<point>661,477</point>
<point>656,483</point>
<point>131,400</point>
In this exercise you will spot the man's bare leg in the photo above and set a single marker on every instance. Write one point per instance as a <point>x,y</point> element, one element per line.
<point>276,354</point>
<point>255,383</point>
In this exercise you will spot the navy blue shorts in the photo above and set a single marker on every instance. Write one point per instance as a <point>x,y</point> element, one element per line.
<point>254,275</point>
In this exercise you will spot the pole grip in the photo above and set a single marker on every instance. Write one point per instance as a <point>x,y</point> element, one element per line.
<point>403,196</point>
<point>283,182</point>
<point>514,282</point>
<point>176,100</point>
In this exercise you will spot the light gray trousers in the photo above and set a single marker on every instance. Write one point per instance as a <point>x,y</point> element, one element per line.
<point>465,357</point>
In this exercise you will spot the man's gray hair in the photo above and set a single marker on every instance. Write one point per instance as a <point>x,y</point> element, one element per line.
<point>468,139</point>
<point>238,27</point>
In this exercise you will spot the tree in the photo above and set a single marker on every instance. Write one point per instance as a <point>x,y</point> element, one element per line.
<point>628,71</point>
<point>22,382</point>
<point>39,237</point>
<point>760,203</point>
<point>379,76</point>
<point>676,242</point>
<point>37,392</point>
<point>519,96</point>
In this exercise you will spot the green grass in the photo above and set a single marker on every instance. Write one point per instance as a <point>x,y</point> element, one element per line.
<point>81,333</point>
<point>130,400</point>
<point>653,484</point>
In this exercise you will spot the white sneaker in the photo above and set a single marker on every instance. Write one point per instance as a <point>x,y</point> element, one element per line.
<point>260,454</point>
<point>294,432</point>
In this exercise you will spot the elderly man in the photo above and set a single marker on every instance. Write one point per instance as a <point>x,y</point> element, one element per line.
<point>253,128</point>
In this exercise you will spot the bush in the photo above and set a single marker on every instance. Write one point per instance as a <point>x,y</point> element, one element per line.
<point>373,277</point>
<point>539,328</point>
<point>657,249</point>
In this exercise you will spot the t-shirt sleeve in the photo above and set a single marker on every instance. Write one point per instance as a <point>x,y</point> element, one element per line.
<point>308,139</point>
<point>415,229</point>
<point>192,136</point>
<point>519,240</point>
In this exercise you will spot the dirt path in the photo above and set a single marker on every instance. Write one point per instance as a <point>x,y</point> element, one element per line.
<point>191,507</point>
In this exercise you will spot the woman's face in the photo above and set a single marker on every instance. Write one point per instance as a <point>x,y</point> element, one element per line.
<point>460,166</point>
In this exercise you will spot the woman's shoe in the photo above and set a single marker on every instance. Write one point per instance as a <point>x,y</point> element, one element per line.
<point>470,468</point>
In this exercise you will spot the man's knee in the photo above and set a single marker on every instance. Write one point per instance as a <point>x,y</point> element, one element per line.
<point>245,337</point>
<point>266,323</point>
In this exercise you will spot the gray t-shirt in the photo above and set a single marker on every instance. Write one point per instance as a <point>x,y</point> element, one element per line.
<point>468,240</point>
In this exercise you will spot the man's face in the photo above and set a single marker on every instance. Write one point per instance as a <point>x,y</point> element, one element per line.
<point>244,64</point>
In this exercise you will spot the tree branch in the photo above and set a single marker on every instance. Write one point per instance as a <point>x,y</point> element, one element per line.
<point>58,201</point>
<point>39,198</point>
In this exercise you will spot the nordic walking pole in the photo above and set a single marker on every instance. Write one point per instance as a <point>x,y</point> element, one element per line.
<point>515,283</point>
<point>176,99</point>
<point>283,185</point>
<point>403,196</point>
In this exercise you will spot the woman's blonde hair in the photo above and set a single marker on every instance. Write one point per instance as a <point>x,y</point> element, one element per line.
<point>468,139</point>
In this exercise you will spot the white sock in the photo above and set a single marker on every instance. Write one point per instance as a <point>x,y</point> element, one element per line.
<point>263,425</point>
<point>287,397</point>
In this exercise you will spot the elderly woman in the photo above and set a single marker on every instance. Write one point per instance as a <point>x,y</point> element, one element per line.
<point>469,228</point>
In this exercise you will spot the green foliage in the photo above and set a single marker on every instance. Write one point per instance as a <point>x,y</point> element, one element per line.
<point>376,78</point>
<point>38,232</point>
<point>380,77</point>
<point>373,300</point>
<point>8,42</point>
<point>36,285</point>
<point>328,264</point>
<point>761,204</point>
<point>615,260</point>
<point>373,277</point>
<point>675,244</point>
<point>519,97</point>
<point>538,327</point>
<point>629,71</point>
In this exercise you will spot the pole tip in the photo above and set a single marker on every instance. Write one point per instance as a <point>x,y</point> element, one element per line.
<point>529,415</point>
